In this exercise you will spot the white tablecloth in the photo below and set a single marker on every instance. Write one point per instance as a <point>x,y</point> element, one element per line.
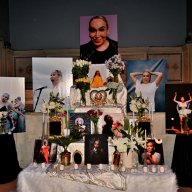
<point>35,179</point>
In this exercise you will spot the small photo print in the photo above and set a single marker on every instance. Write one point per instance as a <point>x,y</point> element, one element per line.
<point>96,149</point>
<point>153,154</point>
<point>44,151</point>
<point>80,121</point>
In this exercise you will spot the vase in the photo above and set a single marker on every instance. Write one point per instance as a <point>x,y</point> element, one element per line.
<point>130,159</point>
<point>65,157</point>
<point>95,128</point>
<point>83,98</point>
<point>114,96</point>
<point>116,157</point>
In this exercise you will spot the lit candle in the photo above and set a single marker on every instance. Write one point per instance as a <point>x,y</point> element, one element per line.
<point>162,169</point>
<point>61,167</point>
<point>88,166</point>
<point>145,169</point>
<point>100,166</point>
<point>76,166</point>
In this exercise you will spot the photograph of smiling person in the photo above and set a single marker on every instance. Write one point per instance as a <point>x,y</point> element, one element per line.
<point>101,46</point>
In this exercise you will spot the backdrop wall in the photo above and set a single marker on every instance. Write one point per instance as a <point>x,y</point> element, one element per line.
<point>55,24</point>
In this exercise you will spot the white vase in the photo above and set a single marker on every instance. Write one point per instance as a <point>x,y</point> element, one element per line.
<point>129,160</point>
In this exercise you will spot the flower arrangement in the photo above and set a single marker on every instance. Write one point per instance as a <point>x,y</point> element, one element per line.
<point>127,137</point>
<point>54,105</point>
<point>138,104</point>
<point>114,88</point>
<point>94,117</point>
<point>80,68</point>
<point>115,65</point>
<point>80,72</point>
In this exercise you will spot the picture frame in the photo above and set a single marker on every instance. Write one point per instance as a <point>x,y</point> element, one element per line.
<point>96,149</point>
<point>173,124</point>
<point>80,121</point>
<point>154,147</point>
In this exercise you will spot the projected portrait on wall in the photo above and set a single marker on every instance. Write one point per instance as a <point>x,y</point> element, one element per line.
<point>147,77</point>
<point>178,108</point>
<point>51,75</point>
<point>98,38</point>
<point>12,105</point>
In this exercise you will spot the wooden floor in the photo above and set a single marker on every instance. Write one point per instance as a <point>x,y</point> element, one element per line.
<point>11,187</point>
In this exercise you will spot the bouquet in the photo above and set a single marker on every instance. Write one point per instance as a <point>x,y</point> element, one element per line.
<point>94,117</point>
<point>80,69</point>
<point>53,106</point>
<point>80,72</point>
<point>138,105</point>
<point>115,65</point>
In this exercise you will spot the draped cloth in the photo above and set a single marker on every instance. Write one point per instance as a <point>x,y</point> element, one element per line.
<point>9,168</point>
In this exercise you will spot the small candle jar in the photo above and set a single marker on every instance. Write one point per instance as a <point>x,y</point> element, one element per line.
<point>154,169</point>
<point>42,165</point>
<point>161,169</point>
<point>76,166</point>
<point>123,168</point>
<point>61,167</point>
<point>88,166</point>
<point>145,169</point>
<point>100,166</point>
<point>112,167</point>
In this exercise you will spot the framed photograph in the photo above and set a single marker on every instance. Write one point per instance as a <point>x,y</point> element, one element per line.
<point>96,149</point>
<point>51,75</point>
<point>154,153</point>
<point>80,121</point>
<point>44,151</point>
<point>12,90</point>
<point>178,106</point>
<point>157,93</point>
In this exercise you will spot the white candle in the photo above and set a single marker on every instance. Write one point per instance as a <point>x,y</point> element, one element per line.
<point>112,167</point>
<point>76,166</point>
<point>61,167</point>
<point>88,166</point>
<point>153,169</point>
<point>145,169</point>
<point>161,169</point>
<point>100,166</point>
<point>123,168</point>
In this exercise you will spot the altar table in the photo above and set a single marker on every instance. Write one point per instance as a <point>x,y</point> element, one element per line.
<point>35,179</point>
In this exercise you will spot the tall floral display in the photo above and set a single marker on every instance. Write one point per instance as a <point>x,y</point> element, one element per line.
<point>80,72</point>
<point>116,66</point>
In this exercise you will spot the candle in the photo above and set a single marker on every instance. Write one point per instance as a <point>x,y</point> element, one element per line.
<point>88,166</point>
<point>145,169</point>
<point>161,169</point>
<point>153,169</point>
<point>61,167</point>
<point>123,168</point>
<point>112,167</point>
<point>76,166</point>
<point>100,166</point>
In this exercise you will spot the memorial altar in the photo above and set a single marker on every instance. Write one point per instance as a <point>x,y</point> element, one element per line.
<point>48,177</point>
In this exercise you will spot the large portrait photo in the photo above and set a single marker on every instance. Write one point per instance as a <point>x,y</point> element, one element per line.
<point>96,149</point>
<point>51,75</point>
<point>98,38</point>
<point>148,78</point>
<point>178,108</point>
<point>12,105</point>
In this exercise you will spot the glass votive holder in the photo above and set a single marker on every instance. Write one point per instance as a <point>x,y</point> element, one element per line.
<point>145,169</point>
<point>76,166</point>
<point>153,169</point>
<point>61,167</point>
<point>88,166</point>
<point>42,165</point>
<point>100,166</point>
<point>161,169</point>
<point>123,168</point>
<point>112,167</point>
